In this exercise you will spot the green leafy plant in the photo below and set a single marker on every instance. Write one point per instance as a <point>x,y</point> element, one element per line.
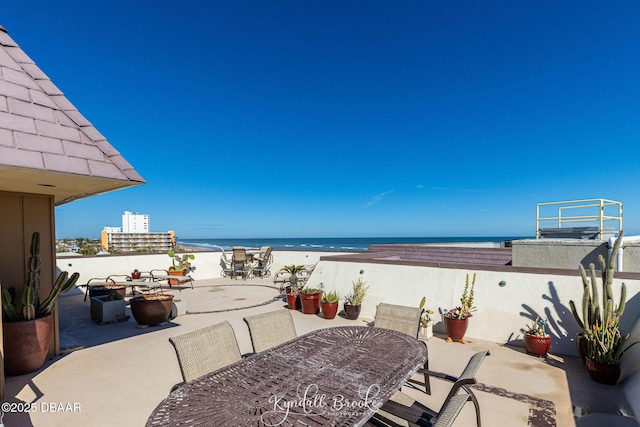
<point>425,318</point>
<point>466,302</point>
<point>181,262</point>
<point>293,270</point>
<point>358,292</point>
<point>32,308</point>
<point>330,297</point>
<point>309,290</point>
<point>537,327</point>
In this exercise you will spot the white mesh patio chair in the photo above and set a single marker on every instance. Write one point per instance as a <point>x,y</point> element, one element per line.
<point>226,268</point>
<point>403,319</point>
<point>402,410</point>
<point>270,329</point>
<point>205,350</point>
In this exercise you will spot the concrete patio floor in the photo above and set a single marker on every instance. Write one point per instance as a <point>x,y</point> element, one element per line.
<point>116,374</point>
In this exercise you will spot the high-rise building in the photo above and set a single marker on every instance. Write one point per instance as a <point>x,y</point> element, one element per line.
<point>135,222</point>
<point>135,236</point>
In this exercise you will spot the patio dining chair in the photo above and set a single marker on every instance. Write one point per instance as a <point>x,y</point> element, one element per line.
<point>403,319</point>
<point>402,410</point>
<point>263,263</point>
<point>242,266</point>
<point>270,329</point>
<point>205,350</point>
<point>226,267</point>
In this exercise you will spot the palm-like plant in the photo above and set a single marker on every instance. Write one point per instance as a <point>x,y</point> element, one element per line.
<point>293,270</point>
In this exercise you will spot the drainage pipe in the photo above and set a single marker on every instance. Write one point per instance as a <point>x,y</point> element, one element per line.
<point>619,257</point>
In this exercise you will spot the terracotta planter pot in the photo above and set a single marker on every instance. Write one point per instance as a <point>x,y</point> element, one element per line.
<point>329,309</point>
<point>26,344</point>
<point>173,282</point>
<point>135,275</point>
<point>151,309</point>
<point>352,311</point>
<point>310,302</point>
<point>293,301</point>
<point>98,291</point>
<point>455,328</point>
<point>537,346</point>
<point>605,374</point>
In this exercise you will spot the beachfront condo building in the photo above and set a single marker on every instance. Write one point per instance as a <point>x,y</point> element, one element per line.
<point>134,236</point>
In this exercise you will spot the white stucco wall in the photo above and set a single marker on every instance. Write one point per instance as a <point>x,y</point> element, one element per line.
<point>502,311</point>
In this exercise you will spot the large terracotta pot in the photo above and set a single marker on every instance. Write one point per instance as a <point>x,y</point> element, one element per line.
<point>310,302</point>
<point>173,282</point>
<point>605,374</point>
<point>455,328</point>
<point>329,309</point>
<point>352,311</point>
<point>537,346</point>
<point>151,309</point>
<point>26,344</point>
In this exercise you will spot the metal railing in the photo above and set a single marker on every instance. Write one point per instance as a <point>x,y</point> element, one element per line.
<point>566,206</point>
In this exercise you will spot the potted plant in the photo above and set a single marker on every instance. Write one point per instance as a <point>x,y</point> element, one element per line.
<point>592,313</point>
<point>353,300</point>
<point>456,320</point>
<point>536,341</point>
<point>310,299</point>
<point>329,304</point>
<point>426,323</point>
<point>605,347</point>
<point>180,266</point>
<point>135,274</point>
<point>108,309</point>
<point>27,332</point>
<point>293,271</point>
<point>151,309</point>
<point>293,297</point>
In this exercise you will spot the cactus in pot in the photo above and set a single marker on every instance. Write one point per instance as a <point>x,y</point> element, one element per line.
<point>592,313</point>
<point>32,307</point>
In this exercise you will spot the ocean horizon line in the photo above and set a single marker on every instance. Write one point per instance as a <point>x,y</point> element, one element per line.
<point>333,243</point>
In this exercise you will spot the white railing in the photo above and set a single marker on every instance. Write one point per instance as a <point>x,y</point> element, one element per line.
<point>587,206</point>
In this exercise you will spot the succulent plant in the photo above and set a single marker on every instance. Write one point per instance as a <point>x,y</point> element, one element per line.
<point>32,307</point>
<point>592,312</point>
<point>181,262</point>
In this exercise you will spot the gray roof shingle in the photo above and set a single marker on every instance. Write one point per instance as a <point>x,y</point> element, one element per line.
<point>40,129</point>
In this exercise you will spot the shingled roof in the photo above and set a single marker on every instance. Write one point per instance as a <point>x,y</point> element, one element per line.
<point>46,145</point>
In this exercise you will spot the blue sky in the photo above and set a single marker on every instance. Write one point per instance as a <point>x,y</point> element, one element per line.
<point>348,119</point>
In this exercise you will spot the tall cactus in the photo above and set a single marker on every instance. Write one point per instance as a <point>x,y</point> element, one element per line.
<point>592,312</point>
<point>32,307</point>
<point>32,287</point>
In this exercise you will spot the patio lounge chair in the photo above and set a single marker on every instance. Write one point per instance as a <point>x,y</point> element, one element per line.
<point>406,320</point>
<point>403,410</point>
<point>270,329</point>
<point>206,350</point>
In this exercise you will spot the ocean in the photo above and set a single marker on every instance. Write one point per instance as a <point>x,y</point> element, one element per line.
<point>328,243</point>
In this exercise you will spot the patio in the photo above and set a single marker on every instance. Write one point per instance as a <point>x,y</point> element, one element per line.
<point>118,373</point>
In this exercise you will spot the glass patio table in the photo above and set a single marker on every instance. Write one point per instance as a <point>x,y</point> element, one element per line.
<point>330,377</point>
